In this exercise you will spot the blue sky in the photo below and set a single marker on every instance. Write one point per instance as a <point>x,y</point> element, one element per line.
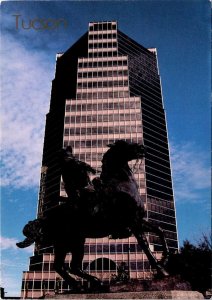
<point>180,32</point>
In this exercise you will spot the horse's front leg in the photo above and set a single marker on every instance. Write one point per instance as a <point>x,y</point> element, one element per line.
<point>148,226</point>
<point>143,243</point>
<point>76,264</point>
<point>62,270</point>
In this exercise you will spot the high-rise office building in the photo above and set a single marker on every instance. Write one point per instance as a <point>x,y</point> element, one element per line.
<point>106,87</point>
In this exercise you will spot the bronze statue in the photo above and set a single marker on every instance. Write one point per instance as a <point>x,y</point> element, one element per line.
<point>113,208</point>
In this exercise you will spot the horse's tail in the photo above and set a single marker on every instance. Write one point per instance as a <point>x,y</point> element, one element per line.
<point>33,231</point>
<point>25,243</point>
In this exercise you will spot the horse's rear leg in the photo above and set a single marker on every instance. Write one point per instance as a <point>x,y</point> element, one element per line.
<point>60,268</point>
<point>143,243</point>
<point>148,226</point>
<point>76,264</point>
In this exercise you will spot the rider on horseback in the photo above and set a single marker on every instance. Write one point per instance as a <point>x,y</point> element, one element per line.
<point>119,210</point>
<point>74,174</point>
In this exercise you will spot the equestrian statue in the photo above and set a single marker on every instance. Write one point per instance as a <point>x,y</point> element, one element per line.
<point>110,205</point>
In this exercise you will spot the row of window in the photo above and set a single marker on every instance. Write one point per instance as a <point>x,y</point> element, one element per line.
<point>143,76</point>
<point>160,159</point>
<point>153,85</point>
<point>150,93</point>
<point>152,104</point>
<point>97,265</point>
<point>102,74</point>
<point>155,145</point>
<point>153,107</point>
<point>156,240</point>
<point>112,248</point>
<point>89,143</point>
<point>136,51</point>
<point>157,115</point>
<point>103,130</point>
<point>171,235</point>
<point>102,54</point>
<point>102,118</point>
<point>172,244</point>
<point>60,284</point>
<point>103,95</point>
<point>90,157</point>
<point>160,179</point>
<point>161,135</point>
<point>148,71</point>
<point>159,140</point>
<point>102,45</point>
<point>107,63</point>
<point>102,84</point>
<point>103,106</point>
<point>160,202</point>
<point>143,67</point>
<point>153,126</point>
<point>161,217</point>
<point>102,26</point>
<point>36,259</point>
<point>93,143</point>
<point>165,226</point>
<point>160,171</point>
<point>144,70</point>
<point>46,285</point>
<point>161,210</point>
<point>100,36</point>
<point>142,62</point>
<point>157,190</point>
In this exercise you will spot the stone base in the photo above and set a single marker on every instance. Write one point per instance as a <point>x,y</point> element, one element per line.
<point>132,295</point>
<point>171,283</point>
<point>172,287</point>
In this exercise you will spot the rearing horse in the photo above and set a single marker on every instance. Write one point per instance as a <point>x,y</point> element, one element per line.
<point>114,208</point>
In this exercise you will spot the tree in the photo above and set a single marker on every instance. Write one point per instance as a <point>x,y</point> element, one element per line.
<point>194,264</point>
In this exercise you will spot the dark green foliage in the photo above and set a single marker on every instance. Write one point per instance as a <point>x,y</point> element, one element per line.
<point>122,273</point>
<point>194,264</point>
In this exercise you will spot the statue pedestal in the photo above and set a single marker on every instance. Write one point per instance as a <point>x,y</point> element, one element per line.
<point>132,295</point>
<point>167,288</point>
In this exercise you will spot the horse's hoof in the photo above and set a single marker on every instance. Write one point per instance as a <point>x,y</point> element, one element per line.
<point>97,286</point>
<point>75,290</point>
<point>165,273</point>
<point>100,289</point>
<point>161,272</point>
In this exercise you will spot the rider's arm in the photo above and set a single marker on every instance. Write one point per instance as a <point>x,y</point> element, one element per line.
<point>87,167</point>
<point>90,169</point>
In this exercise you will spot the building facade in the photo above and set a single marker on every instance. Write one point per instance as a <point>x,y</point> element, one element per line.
<point>106,87</point>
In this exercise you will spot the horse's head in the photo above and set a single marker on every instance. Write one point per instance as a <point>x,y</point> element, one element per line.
<point>127,151</point>
<point>115,166</point>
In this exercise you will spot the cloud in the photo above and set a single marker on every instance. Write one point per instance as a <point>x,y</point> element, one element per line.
<point>10,244</point>
<point>26,79</point>
<point>191,171</point>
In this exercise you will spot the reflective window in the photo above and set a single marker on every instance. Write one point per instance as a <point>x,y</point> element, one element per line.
<point>112,248</point>
<point>92,248</point>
